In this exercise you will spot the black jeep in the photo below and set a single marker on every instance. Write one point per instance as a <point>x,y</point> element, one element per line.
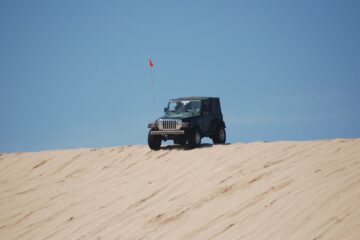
<point>187,120</point>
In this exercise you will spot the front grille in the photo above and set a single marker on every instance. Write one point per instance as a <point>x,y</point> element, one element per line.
<point>169,124</point>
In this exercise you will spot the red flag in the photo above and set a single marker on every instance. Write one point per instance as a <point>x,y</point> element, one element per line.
<point>151,63</point>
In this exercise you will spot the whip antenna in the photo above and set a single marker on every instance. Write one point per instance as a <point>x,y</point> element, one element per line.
<point>152,65</point>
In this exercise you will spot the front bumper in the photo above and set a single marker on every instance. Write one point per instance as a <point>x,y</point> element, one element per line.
<point>167,132</point>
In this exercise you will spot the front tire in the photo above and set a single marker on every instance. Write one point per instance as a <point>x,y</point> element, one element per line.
<point>220,135</point>
<point>194,138</point>
<point>154,141</point>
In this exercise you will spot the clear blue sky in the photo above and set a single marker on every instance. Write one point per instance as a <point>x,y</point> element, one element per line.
<point>76,74</point>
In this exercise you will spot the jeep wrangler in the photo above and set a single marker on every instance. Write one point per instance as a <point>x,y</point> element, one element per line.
<point>186,121</point>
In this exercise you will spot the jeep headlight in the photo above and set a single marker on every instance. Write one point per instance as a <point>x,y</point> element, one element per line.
<point>158,122</point>
<point>178,122</point>
<point>185,124</point>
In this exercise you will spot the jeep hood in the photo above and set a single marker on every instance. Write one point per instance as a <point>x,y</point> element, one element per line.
<point>182,117</point>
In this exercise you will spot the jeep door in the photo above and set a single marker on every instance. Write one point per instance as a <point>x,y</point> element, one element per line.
<point>205,116</point>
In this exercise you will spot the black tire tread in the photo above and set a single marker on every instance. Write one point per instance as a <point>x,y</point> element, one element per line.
<point>216,137</point>
<point>191,138</point>
<point>154,141</point>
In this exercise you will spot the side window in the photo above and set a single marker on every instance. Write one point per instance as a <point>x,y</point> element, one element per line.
<point>206,108</point>
<point>216,107</point>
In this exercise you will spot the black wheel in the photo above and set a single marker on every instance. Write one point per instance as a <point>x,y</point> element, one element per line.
<point>220,135</point>
<point>194,138</point>
<point>180,141</point>
<point>154,141</point>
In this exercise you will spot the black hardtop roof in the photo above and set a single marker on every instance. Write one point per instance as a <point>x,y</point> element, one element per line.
<point>193,98</point>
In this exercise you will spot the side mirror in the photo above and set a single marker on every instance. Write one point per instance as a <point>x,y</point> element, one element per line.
<point>165,109</point>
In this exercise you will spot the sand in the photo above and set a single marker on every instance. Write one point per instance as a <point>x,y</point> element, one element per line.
<point>261,190</point>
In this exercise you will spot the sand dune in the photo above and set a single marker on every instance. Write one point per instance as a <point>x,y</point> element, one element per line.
<point>272,190</point>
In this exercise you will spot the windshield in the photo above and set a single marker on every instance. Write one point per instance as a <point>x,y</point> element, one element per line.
<point>183,108</point>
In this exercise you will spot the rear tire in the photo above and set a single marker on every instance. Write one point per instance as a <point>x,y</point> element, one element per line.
<point>194,138</point>
<point>154,141</point>
<point>220,135</point>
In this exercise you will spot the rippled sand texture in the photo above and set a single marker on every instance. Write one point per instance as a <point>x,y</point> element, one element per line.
<point>260,190</point>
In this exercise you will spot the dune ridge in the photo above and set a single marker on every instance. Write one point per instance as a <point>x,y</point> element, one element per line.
<point>259,190</point>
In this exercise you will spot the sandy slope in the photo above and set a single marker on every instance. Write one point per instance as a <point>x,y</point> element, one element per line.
<point>277,190</point>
